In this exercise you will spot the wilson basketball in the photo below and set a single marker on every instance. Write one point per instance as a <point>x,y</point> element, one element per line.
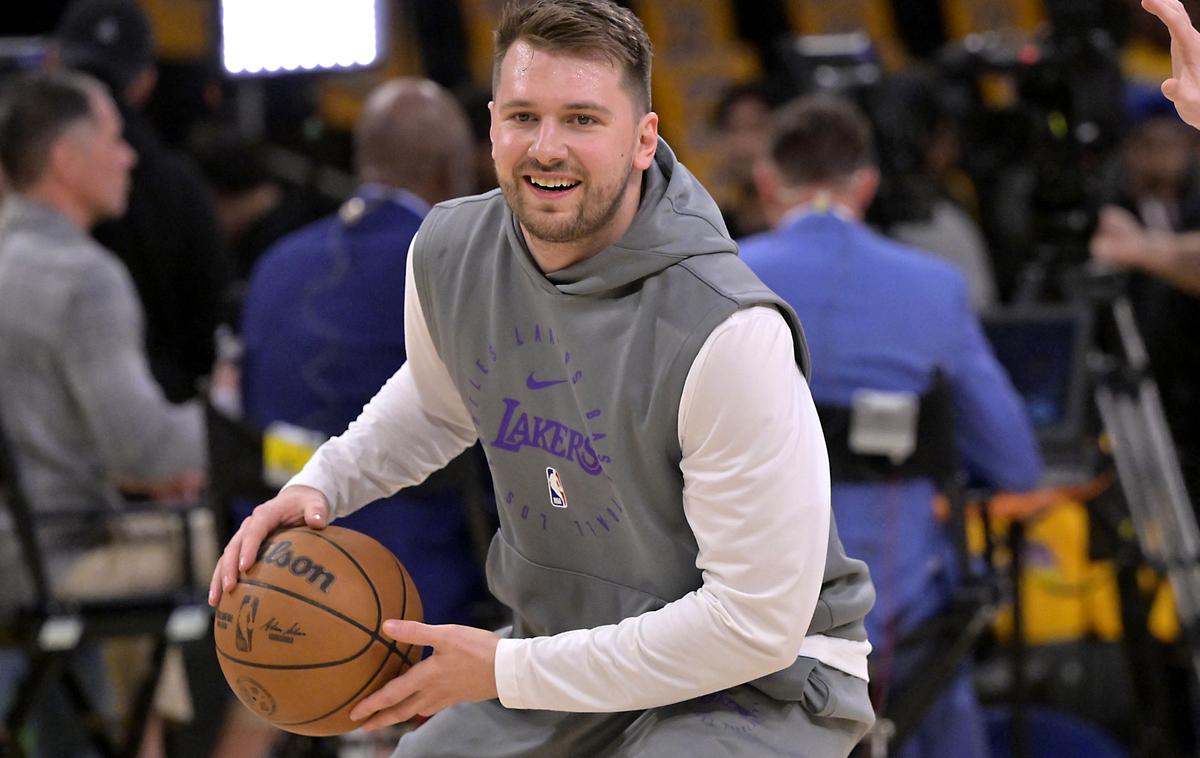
<point>300,637</point>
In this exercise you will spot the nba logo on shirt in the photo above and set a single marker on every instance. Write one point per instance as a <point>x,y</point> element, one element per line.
<point>558,496</point>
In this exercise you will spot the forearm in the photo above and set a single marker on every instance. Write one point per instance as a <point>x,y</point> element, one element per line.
<point>1175,258</point>
<point>393,444</point>
<point>687,649</point>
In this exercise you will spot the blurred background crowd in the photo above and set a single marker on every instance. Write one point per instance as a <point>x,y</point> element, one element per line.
<point>1026,142</point>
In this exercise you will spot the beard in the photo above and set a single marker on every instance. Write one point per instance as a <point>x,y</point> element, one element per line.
<point>597,207</point>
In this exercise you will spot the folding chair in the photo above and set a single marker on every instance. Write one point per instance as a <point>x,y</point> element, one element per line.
<point>50,630</point>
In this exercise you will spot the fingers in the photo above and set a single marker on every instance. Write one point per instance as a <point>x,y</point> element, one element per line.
<point>412,632</point>
<point>1184,37</point>
<point>1116,218</point>
<point>1170,89</point>
<point>254,530</point>
<point>399,700</point>
<point>214,585</point>
<point>226,572</point>
<point>295,505</point>
<point>316,516</point>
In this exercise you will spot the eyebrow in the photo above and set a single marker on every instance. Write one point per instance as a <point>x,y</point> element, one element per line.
<point>580,106</point>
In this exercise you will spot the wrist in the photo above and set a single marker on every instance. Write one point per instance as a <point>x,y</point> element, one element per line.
<point>1162,249</point>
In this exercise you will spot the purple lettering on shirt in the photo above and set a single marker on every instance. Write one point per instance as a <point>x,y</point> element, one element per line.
<point>556,444</point>
<point>517,431</point>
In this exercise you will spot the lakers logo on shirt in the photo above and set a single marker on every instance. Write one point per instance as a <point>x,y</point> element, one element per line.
<point>516,418</point>
<point>558,495</point>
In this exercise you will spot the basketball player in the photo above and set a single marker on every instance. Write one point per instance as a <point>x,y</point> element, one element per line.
<point>1183,88</point>
<point>666,545</point>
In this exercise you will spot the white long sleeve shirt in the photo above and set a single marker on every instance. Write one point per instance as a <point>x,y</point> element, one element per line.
<point>756,485</point>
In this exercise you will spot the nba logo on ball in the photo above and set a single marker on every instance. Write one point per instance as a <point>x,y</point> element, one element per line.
<point>558,496</point>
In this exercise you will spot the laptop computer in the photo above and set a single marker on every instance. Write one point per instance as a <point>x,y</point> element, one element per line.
<point>1044,349</point>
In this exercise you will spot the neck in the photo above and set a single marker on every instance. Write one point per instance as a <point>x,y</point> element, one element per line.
<point>817,199</point>
<point>554,256</point>
<point>54,196</point>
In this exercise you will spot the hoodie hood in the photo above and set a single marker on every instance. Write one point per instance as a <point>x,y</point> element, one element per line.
<point>676,220</point>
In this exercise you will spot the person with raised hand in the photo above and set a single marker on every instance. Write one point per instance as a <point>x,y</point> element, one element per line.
<point>1183,88</point>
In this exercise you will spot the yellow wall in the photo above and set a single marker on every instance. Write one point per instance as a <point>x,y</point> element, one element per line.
<point>697,57</point>
<point>871,16</point>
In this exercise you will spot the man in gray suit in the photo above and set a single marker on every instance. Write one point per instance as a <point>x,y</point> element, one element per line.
<point>84,417</point>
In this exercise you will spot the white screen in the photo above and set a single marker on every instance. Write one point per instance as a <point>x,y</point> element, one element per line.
<point>262,37</point>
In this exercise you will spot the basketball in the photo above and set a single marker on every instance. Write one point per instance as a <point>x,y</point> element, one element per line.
<point>300,637</point>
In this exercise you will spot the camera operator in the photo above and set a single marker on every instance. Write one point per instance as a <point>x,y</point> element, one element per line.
<point>1154,233</point>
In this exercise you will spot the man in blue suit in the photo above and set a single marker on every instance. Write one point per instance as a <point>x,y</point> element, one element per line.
<point>323,322</point>
<point>884,317</point>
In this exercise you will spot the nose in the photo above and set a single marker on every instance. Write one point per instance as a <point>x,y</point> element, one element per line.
<point>549,146</point>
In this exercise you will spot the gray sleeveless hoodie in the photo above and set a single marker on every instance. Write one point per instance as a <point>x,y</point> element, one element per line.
<point>574,381</point>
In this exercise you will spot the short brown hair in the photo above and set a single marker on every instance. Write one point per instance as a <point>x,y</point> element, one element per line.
<point>819,138</point>
<point>35,110</point>
<point>596,27</point>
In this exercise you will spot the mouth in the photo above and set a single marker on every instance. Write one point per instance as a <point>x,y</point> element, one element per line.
<point>551,186</point>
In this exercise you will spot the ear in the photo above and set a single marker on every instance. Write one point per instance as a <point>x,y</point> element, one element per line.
<point>64,161</point>
<point>138,92</point>
<point>647,143</point>
<point>767,183</point>
<point>492,126</point>
<point>866,184</point>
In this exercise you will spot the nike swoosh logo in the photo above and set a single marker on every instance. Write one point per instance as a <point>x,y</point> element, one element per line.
<point>534,384</point>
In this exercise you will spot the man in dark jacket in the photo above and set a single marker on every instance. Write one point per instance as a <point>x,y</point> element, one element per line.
<point>168,239</point>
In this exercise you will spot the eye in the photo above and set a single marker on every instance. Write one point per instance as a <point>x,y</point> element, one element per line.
<point>584,120</point>
<point>522,118</point>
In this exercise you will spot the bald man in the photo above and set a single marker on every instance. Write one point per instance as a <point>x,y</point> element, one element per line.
<point>323,321</point>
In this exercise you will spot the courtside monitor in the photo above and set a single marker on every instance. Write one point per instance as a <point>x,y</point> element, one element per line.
<point>1044,350</point>
<point>273,37</point>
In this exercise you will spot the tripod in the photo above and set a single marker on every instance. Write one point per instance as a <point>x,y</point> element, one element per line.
<point>1156,500</point>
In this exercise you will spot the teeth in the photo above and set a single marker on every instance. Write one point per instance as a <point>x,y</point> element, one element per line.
<point>552,183</point>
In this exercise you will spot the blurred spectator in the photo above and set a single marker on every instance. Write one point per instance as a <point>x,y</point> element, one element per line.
<point>885,318</point>
<point>1155,234</point>
<point>475,103</point>
<point>168,239</point>
<point>254,209</point>
<point>741,119</point>
<point>81,410</point>
<point>936,191</point>
<point>323,319</point>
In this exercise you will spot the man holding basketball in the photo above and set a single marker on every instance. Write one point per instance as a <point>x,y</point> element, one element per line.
<point>666,545</point>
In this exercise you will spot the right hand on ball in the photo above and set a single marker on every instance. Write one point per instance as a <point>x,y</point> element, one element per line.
<point>293,506</point>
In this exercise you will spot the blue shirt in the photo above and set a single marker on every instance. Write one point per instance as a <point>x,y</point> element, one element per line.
<point>323,325</point>
<point>882,316</point>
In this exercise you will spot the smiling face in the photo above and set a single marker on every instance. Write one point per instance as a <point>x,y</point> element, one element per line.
<point>570,147</point>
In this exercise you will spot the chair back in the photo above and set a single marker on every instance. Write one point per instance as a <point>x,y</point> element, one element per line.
<point>13,498</point>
